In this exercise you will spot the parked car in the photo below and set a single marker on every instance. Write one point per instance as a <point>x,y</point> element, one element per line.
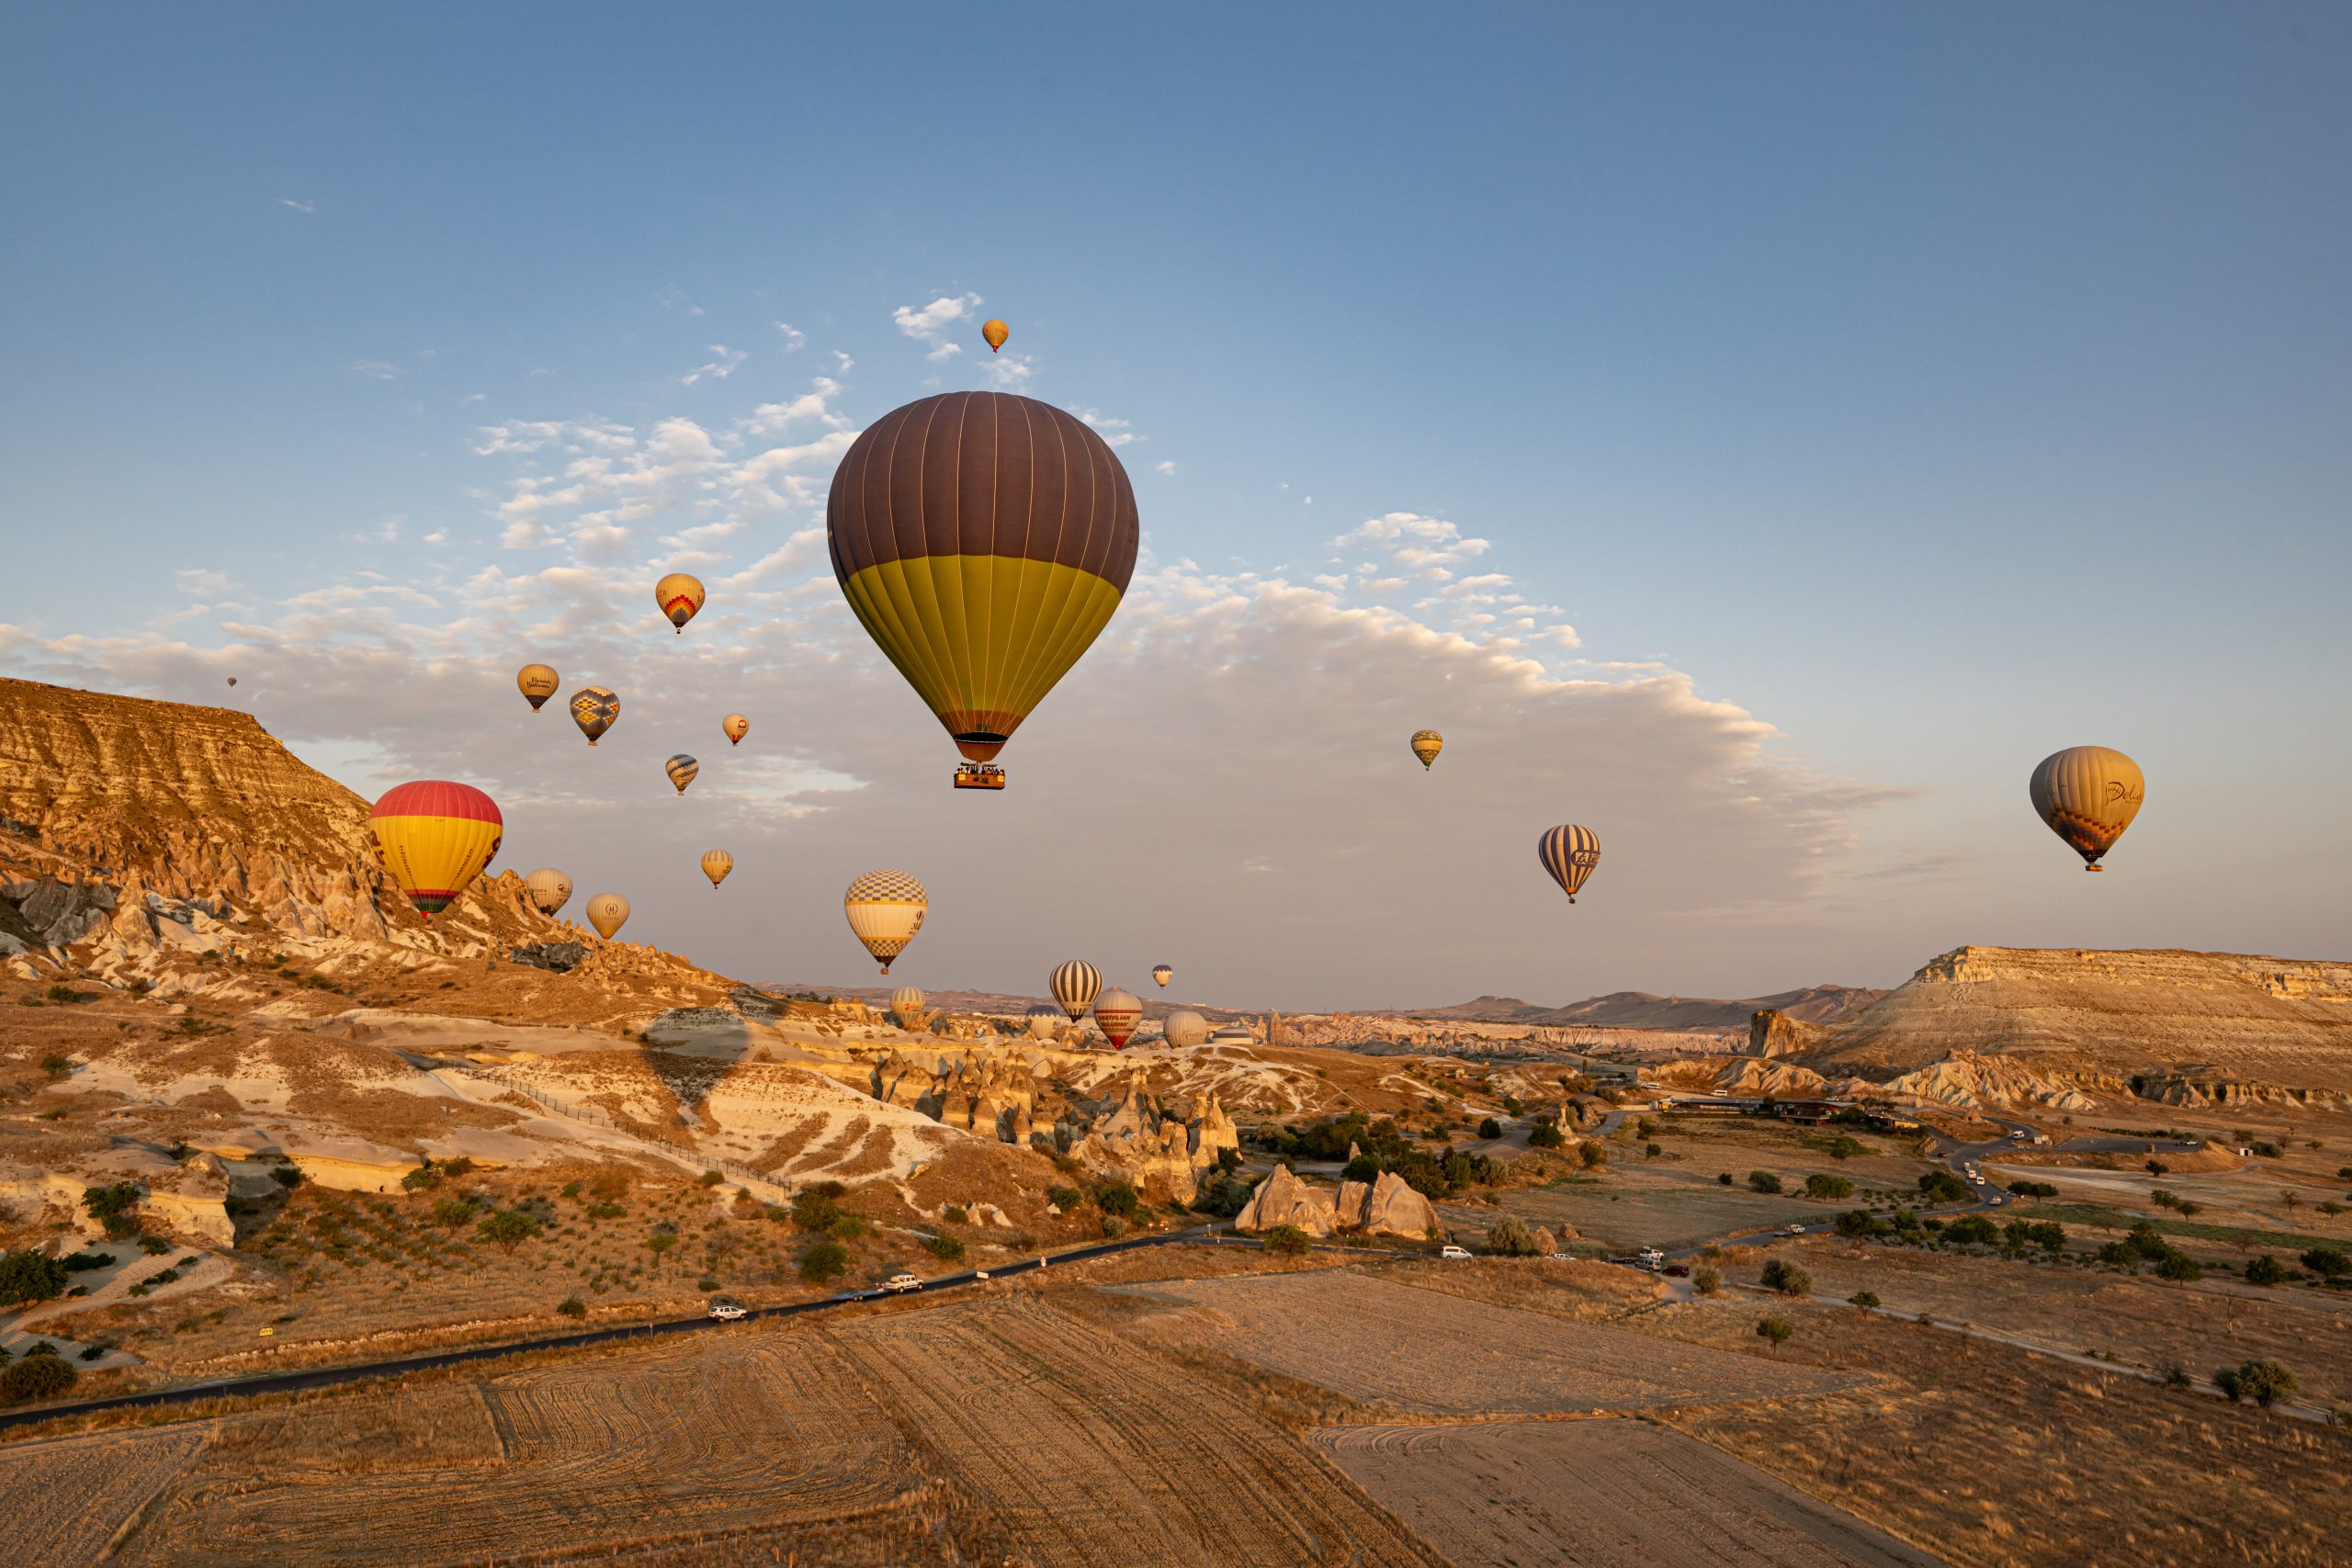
<point>898,1284</point>
<point>979,1273</point>
<point>726,1309</point>
<point>1793,1228</point>
<point>1450,1250</point>
<point>1678,1271</point>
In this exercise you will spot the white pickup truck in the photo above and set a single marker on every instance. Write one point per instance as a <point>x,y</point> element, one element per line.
<point>897,1284</point>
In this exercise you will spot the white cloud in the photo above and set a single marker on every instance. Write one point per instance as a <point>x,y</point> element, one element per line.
<point>718,368</point>
<point>298,206</point>
<point>1008,372</point>
<point>1165,466</point>
<point>794,338</point>
<point>846,363</point>
<point>376,369</point>
<point>201,582</point>
<point>1113,431</point>
<point>929,323</point>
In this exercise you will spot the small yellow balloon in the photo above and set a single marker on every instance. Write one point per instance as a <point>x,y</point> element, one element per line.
<point>607,912</point>
<point>716,864</point>
<point>996,332</point>
<point>679,597</point>
<point>537,682</point>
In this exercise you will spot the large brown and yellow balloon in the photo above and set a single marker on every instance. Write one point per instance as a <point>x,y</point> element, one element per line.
<point>595,709</point>
<point>2087,795</point>
<point>679,597</point>
<point>1427,744</point>
<point>538,682</point>
<point>983,541</point>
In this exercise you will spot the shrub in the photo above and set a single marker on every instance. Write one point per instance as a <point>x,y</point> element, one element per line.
<point>1775,1332</point>
<point>154,1245</point>
<point>2148,1241</point>
<point>1724,1177</point>
<point>826,1260</point>
<point>1509,1237</point>
<point>112,1207</point>
<point>287,1176</point>
<point>1116,1198</point>
<point>2264,1382</point>
<point>956,1214</point>
<point>1942,1187</point>
<point>1866,1299</point>
<point>1593,1156</point>
<point>572,1307</point>
<point>1707,1279</point>
<point>2158,1167</point>
<point>37,1376</point>
<point>68,995</point>
<point>56,1067</point>
<point>1288,1240</point>
<point>453,1212</point>
<point>1843,1147</point>
<point>1971,1230</point>
<point>709,1178</point>
<point>946,1249</point>
<point>1830,1187</point>
<point>508,1229</point>
<point>1364,1167</point>
<point>1065,1198</point>
<point>424,1176</point>
<point>29,1276</point>
<point>2120,1255</point>
<point>1491,1128</point>
<point>1789,1278</point>
<point>812,1210</point>
<point>1544,1136</point>
<point>1763,1181</point>
<point>1114,1227</point>
<point>2265,1270</point>
<point>846,1228</point>
<point>2328,1262</point>
<point>2034,1188</point>
<point>83,1261</point>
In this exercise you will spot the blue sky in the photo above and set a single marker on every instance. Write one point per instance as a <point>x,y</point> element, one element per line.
<point>1939,387</point>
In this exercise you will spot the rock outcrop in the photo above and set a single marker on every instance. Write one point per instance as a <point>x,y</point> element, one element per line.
<point>1384,1207</point>
<point>1771,1032</point>
<point>1284,1199</point>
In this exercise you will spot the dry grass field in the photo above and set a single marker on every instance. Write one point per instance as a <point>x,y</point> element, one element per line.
<point>1392,1346</point>
<point>1598,1494</point>
<point>2006,1459</point>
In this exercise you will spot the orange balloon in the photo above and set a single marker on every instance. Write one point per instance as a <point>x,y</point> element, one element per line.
<point>996,332</point>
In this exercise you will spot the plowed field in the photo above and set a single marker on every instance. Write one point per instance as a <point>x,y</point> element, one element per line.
<point>1418,1351</point>
<point>66,1499</point>
<point>1603,1493</point>
<point>1087,1451</point>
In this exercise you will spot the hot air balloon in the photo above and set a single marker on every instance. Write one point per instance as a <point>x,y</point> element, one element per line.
<point>996,332</point>
<point>716,864</point>
<point>907,1002</point>
<point>547,888</point>
<point>679,597</point>
<point>1162,975</point>
<point>735,727</point>
<point>538,682</point>
<point>885,909</point>
<point>1427,744</point>
<point>1569,854</point>
<point>682,770</point>
<point>436,836</point>
<point>232,680</point>
<point>607,912</point>
<point>1117,1013</point>
<point>983,541</point>
<point>1043,1022</point>
<point>594,709</point>
<point>1074,984</point>
<point>1185,1028</point>
<point>2089,794</point>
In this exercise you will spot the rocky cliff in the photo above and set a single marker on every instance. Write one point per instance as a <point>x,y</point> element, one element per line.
<point>1641,1010</point>
<point>2184,1018</point>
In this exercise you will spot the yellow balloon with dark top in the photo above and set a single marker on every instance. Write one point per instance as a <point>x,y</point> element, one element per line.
<point>1427,744</point>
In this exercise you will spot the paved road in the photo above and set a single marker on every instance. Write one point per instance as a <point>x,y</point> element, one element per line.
<point>328,1377</point>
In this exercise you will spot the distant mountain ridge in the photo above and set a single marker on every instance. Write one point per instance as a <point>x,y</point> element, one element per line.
<point>1640,1010</point>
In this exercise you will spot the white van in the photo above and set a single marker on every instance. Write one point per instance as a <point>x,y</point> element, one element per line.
<point>1450,1250</point>
<point>726,1309</point>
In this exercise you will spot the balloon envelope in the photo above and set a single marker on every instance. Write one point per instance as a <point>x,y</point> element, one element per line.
<point>1569,854</point>
<point>436,836</point>
<point>716,864</point>
<point>907,1003</point>
<point>607,912</point>
<point>682,770</point>
<point>1074,984</point>
<point>983,541</point>
<point>595,709</point>
<point>1043,1022</point>
<point>1162,973</point>
<point>735,727</point>
<point>679,597</point>
<point>996,332</point>
<point>1427,744</point>
<point>1117,1013</point>
<point>548,889</point>
<point>2087,795</point>
<point>538,682</point>
<point>885,909</point>
<point>1186,1027</point>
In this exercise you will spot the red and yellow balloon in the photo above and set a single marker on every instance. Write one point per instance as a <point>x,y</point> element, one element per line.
<point>436,836</point>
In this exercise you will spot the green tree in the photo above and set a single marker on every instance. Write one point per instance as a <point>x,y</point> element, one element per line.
<point>2265,1381</point>
<point>1509,1237</point>
<point>1763,1181</point>
<point>1707,1279</point>
<point>946,1249</point>
<point>1288,1240</point>
<point>1859,1223</point>
<point>1775,1332</point>
<point>659,1244</point>
<point>29,1276</point>
<point>455,1212</point>
<point>114,1207</point>
<point>2265,1270</point>
<point>508,1229</point>
<point>1789,1278</point>
<point>1866,1299</point>
<point>1118,1198</point>
<point>572,1307</point>
<point>1828,1188</point>
<point>825,1261</point>
<point>2328,1262</point>
<point>1065,1199</point>
<point>1544,1136</point>
<point>1364,1167</point>
<point>1942,1187</point>
<point>1593,1156</point>
<point>39,1374</point>
<point>2179,1268</point>
<point>1490,1129</point>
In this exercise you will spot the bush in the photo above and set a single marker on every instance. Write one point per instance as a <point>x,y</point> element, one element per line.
<point>80,1262</point>
<point>812,1210</point>
<point>1544,1136</point>
<point>1860,1223</point>
<point>37,1376</point>
<point>453,1212</point>
<point>154,1245</point>
<point>1065,1199</point>
<point>1509,1237</point>
<point>287,1176</point>
<point>113,1208</point>
<point>946,1249</point>
<point>1724,1177</point>
<point>1971,1230</point>
<point>1942,1187</point>
<point>1288,1240</point>
<point>508,1229</point>
<point>1222,1195</point>
<point>2034,1188</point>
<point>956,1214</point>
<point>2328,1262</point>
<point>826,1260</point>
<point>1789,1278</point>
<point>1763,1181</point>
<point>2179,1268</point>
<point>1829,1188</point>
<point>2265,1270</point>
<point>1364,1167</point>
<point>2264,1382</point>
<point>2158,1167</point>
<point>572,1307</point>
<point>424,1176</point>
<point>2120,1255</point>
<point>1116,1198</point>
<point>1843,1147</point>
<point>1775,1332</point>
<point>709,1178</point>
<point>1866,1299</point>
<point>2148,1241</point>
<point>1707,1279</point>
<point>29,1276</point>
<point>1491,1128</point>
<point>68,995</point>
<point>57,1066</point>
